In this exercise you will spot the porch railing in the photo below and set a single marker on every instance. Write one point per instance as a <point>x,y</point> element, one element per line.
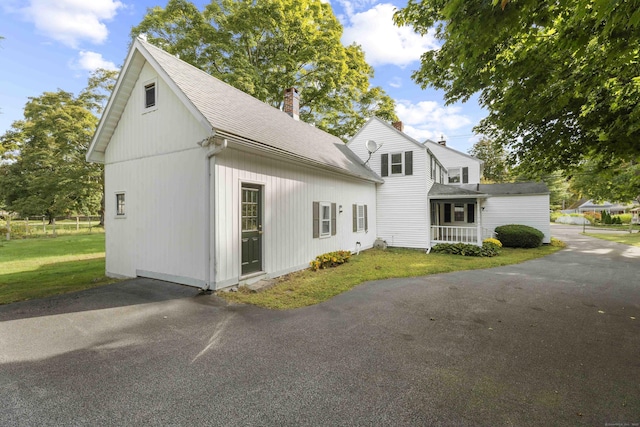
<point>453,234</point>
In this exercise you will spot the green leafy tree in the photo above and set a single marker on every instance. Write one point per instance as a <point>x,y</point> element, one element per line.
<point>44,171</point>
<point>560,79</point>
<point>618,181</point>
<point>496,168</point>
<point>265,46</point>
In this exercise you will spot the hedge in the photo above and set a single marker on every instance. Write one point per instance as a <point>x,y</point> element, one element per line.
<point>519,236</point>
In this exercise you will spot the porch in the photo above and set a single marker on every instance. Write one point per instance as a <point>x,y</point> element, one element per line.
<point>456,215</point>
<point>457,234</point>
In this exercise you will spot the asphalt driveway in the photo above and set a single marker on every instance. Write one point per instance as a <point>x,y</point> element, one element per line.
<point>554,341</point>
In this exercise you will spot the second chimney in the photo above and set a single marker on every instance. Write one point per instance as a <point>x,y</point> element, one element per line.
<point>292,102</point>
<point>398,125</point>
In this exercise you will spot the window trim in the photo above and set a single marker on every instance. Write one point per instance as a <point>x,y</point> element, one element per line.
<point>152,82</point>
<point>450,175</point>
<point>459,208</point>
<point>391,163</point>
<point>121,213</point>
<point>322,234</point>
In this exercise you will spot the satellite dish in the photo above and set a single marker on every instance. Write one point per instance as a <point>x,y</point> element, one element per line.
<point>372,146</point>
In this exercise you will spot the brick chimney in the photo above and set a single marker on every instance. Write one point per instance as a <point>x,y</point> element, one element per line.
<point>292,102</point>
<point>398,125</point>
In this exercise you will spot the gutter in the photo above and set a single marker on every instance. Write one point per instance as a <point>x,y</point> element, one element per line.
<point>209,227</point>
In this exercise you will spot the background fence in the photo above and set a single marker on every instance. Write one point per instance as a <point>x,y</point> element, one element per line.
<point>23,228</point>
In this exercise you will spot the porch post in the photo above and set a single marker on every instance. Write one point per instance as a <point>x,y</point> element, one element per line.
<point>479,221</point>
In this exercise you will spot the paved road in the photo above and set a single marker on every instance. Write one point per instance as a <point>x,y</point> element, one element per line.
<point>554,341</point>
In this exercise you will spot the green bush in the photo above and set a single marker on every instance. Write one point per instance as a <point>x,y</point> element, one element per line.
<point>625,218</point>
<point>555,215</point>
<point>488,249</point>
<point>330,259</point>
<point>519,236</point>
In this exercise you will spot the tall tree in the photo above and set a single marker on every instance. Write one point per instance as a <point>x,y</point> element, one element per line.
<point>265,46</point>
<point>559,78</point>
<point>494,157</point>
<point>44,171</point>
<point>619,181</point>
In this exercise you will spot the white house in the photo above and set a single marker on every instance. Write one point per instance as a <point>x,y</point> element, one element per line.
<point>440,198</point>
<point>461,168</point>
<point>209,187</point>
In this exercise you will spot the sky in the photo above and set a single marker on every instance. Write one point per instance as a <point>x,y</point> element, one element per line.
<point>55,44</point>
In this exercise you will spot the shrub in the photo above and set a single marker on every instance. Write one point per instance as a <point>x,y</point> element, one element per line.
<point>593,217</point>
<point>491,240</point>
<point>519,236</point>
<point>625,218</point>
<point>486,250</point>
<point>558,243</point>
<point>330,259</point>
<point>555,215</point>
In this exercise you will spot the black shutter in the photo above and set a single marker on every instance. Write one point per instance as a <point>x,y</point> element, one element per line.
<point>384,169</point>
<point>447,212</point>
<point>408,162</point>
<point>316,220</point>
<point>333,219</point>
<point>465,175</point>
<point>355,218</point>
<point>471,213</point>
<point>366,219</point>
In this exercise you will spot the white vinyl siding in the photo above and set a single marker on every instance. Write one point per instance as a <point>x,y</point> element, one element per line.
<point>155,157</point>
<point>402,209</point>
<point>451,158</point>
<point>163,232</point>
<point>170,128</point>
<point>531,210</point>
<point>289,195</point>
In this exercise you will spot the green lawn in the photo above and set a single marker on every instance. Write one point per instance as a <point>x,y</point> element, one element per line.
<point>306,287</point>
<point>624,238</point>
<point>36,268</point>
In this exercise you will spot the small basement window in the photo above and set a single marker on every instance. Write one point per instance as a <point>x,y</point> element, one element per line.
<point>120,211</point>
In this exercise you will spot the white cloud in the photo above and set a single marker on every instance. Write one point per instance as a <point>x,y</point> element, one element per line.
<point>429,120</point>
<point>395,82</point>
<point>72,21</point>
<point>382,41</point>
<point>91,61</point>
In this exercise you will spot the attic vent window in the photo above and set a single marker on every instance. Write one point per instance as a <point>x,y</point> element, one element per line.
<point>150,95</point>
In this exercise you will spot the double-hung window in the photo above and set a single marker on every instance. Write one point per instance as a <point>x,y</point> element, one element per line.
<point>396,163</point>
<point>360,222</point>
<point>325,219</point>
<point>459,175</point>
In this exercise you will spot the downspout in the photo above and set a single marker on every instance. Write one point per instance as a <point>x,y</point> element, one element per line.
<point>210,205</point>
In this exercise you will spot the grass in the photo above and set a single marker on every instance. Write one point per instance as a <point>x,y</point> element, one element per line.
<point>624,238</point>
<point>307,287</point>
<point>37,268</point>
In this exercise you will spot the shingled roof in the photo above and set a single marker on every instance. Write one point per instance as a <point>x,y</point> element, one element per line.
<point>226,110</point>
